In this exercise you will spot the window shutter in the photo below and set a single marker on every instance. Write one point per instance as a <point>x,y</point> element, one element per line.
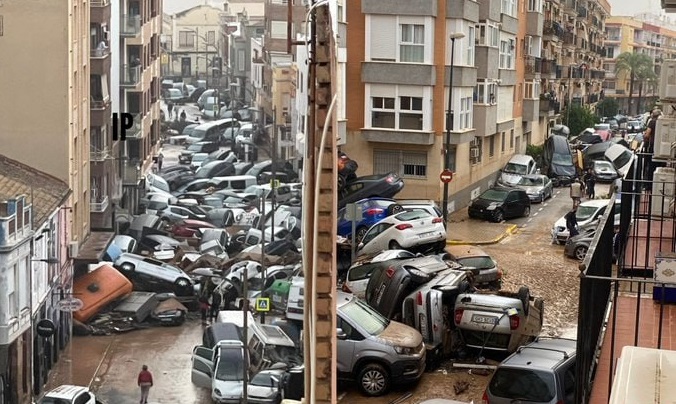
<point>383,38</point>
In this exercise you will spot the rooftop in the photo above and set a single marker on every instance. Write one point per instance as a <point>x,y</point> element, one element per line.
<point>45,192</point>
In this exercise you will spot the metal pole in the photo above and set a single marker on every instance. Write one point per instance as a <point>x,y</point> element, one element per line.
<point>206,66</point>
<point>245,313</point>
<point>263,266</point>
<point>449,126</point>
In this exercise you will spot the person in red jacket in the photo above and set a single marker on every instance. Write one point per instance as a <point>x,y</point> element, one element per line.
<point>145,381</point>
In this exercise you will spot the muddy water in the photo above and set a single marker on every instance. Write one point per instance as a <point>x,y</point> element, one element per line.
<point>112,364</point>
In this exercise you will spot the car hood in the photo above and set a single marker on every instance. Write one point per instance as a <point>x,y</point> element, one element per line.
<point>187,152</point>
<point>510,178</point>
<point>398,334</point>
<point>228,389</point>
<point>604,171</point>
<point>484,203</point>
<point>260,392</point>
<point>560,223</point>
<point>533,189</point>
<point>562,171</point>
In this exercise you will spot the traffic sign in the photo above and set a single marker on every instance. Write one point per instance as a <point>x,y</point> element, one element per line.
<point>262,304</point>
<point>353,212</point>
<point>70,304</point>
<point>274,183</point>
<point>446,176</point>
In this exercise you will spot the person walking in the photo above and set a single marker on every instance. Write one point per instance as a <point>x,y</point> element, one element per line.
<point>571,222</point>
<point>576,192</point>
<point>204,309</point>
<point>590,183</point>
<point>145,381</point>
<point>160,158</point>
<point>170,108</point>
<point>183,115</point>
<point>216,300</point>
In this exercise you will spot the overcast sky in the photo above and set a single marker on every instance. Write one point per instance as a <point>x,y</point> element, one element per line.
<point>631,7</point>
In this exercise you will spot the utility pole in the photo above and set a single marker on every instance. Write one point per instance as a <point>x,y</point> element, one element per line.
<point>319,311</point>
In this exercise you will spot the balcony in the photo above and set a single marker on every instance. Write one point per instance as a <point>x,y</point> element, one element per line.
<point>598,74</point>
<point>99,111</point>
<point>532,65</point>
<point>131,173</point>
<point>98,205</point>
<point>549,107</point>
<point>569,6</point>
<point>130,76</point>
<point>98,154</point>
<point>14,226</point>
<point>136,131</point>
<point>99,11</point>
<point>593,98</point>
<point>552,30</point>
<point>130,25</point>
<point>99,60</point>
<point>568,38</point>
<point>548,67</point>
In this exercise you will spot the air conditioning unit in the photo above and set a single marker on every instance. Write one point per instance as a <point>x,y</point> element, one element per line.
<point>663,191</point>
<point>474,152</point>
<point>73,249</point>
<point>665,136</point>
<point>668,79</point>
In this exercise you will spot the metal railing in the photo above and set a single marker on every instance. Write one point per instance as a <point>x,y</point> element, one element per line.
<point>548,66</point>
<point>99,205</point>
<point>136,130</point>
<point>99,3</point>
<point>130,25</point>
<point>532,65</point>
<point>99,104</point>
<point>99,53</point>
<point>96,154</point>
<point>130,75</point>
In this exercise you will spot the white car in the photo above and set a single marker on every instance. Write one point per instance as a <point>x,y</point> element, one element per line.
<point>197,160</point>
<point>69,394</point>
<point>409,229</point>
<point>620,157</point>
<point>360,272</point>
<point>587,213</point>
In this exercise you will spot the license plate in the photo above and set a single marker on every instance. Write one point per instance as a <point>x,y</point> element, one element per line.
<point>423,325</point>
<point>423,235</point>
<point>484,319</point>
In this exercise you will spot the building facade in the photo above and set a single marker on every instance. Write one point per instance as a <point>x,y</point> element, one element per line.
<point>650,35</point>
<point>192,43</point>
<point>54,135</point>
<point>35,273</point>
<point>135,40</point>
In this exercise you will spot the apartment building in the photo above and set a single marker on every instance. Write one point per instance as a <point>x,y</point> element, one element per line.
<point>135,80</point>
<point>650,35</point>
<point>45,97</point>
<point>572,54</point>
<point>397,91</point>
<point>237,34</point>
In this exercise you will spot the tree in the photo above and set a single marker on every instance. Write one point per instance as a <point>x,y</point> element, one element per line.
<point>632,64</point>
<point>608,107</point>
<point>578,119</point>
<point>645,76</point>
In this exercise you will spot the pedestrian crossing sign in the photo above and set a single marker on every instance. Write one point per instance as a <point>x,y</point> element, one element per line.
<point>262,304</point>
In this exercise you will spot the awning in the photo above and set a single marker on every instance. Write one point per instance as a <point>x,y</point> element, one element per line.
<point>94,247</point>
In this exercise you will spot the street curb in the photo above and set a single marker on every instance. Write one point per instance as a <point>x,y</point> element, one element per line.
<point>509,231</point>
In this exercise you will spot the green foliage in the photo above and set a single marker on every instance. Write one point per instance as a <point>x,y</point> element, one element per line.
<point>535,151</point>
<point>578,119</point>
<point>608,107</point>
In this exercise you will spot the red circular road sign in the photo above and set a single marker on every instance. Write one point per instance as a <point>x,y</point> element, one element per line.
<point>446,176</point>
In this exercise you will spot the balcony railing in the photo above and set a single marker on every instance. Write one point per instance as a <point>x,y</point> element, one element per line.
<point>547,105</point>
<point>99,104</point>
<point>99,53</point>
<point>598,74</point>
<point>130,75</point>
<point>136,130</point>
<point>568,38</point>
<point>98,204</point>
<point>130,25</point>
<point>552,28</point>
<point>548,66</point>
<point>532,65</point>
<point>99,3</point>
<point>98,154</point>
<point>131,173</point>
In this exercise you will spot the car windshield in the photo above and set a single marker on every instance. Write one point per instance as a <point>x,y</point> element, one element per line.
<point>562,159</point>
<point>412,215</point>
<point>363,271</point>
<point>585,212</point>
<point>515,168</point>
<point>623,159</point>
<point>362,314</point>
<point>477,262</point>
<point>229,366</point>
<point>495,195</point>
<point>531,182</point>
<point>602,164</point>
<point>264,380</point>
<point>194,147</point>
<point>199,157</point>
<point>523,385</point>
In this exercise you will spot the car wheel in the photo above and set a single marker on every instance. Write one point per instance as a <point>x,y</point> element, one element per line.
<point>394,209</point>
<point>498,216</point>
<point>394,245</point>
<point>417,276</point>
<point>526,211</point>
<point>127,267</point>
<point>580,252</point>
<point>373,380</point>
<point>182,283</point>
<point>524,295</point>
<point>360,233</point>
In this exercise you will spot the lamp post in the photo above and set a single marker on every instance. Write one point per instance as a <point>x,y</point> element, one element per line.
<point>449,123</point>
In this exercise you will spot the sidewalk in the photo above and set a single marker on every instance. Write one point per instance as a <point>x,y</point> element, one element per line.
<point>463,230</point>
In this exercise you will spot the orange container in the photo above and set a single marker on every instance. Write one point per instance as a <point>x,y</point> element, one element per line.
<point>98,289</point>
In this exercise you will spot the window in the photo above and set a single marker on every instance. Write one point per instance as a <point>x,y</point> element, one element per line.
<point>511,139</point>
<point>503,138</point>
<point>535,6</point>
<point>405,114</point>
<point>278,29</point>
<point>471,42</point>
<point>412,43</point>
<point>528,46</point>
<point>12,292</point>
<point>241,60</point>
<point>507,54</point>
<point>509,7</point>
<point>211,37</point>
<point>491,146</point>
<point>475,150</point>
<point>382,112</point>
<point>531,89</point>
<point>186,39</point>
<point>485,92</point>
<point>412,118</point>
<point>405,164</point>
<point>465,115</point>
<point>488,34</point>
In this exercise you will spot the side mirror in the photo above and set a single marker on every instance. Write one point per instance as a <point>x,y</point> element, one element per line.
<point>340,334</point>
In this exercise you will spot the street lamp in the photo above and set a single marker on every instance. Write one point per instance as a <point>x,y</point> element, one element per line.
<point>449,123</point>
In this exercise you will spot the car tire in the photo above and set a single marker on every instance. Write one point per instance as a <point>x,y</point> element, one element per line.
<point>498,216</point>
<point>418,277</point>
<point>580,252</point>
<point>526,211</point>
<point>373,380</point>
<point>394,245</point>
<point>360,233</point>
<point>524,295</point>
<point>394,209</point>
<point>128,267</point>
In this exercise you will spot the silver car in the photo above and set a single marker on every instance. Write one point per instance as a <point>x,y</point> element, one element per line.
<point>538,187</point>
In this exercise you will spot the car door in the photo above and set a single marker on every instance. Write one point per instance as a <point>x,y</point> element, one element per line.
<point>346,342</point>
<point>178,212</point>
<point>84,398</point>
<point>202,367</point>
<point>511,204</point>
<point>371,242</point>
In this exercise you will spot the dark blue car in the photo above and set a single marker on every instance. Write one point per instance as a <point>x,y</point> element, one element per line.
<point>373,211</point>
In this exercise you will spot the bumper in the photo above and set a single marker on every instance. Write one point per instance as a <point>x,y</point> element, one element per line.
<point>184,159</point>
<point>559,235</point>
<point>408,370</point>
<point>481,214</point>
<point>487,276</point>
<point>536,197</point>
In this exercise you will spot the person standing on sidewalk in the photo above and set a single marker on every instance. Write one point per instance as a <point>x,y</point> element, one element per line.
<point>145,381</point>
<point>160,158</point>
<point>590,183</point>
<point>571,222</point>
<point>576,192</point>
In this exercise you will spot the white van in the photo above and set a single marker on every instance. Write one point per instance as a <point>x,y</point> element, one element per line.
<point>296,300</point>
<point>220,369</point>
<point>644,374</point>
